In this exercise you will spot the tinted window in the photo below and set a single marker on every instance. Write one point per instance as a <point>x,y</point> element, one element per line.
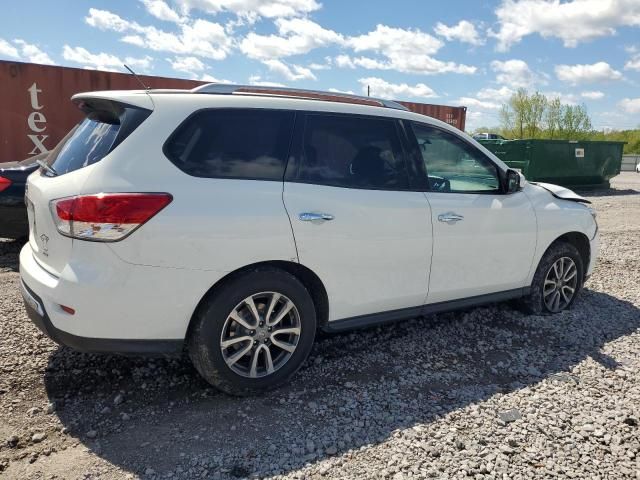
<point>107,124</point>
<point>233,143</point>
<point>352,151</point>
<point>452,164</point>
<point>90,142</point>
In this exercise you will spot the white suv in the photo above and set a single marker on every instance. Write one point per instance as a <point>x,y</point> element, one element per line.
<point>237,221</point>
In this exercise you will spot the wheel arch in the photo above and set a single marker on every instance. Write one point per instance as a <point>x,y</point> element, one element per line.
<point>578,240</point>
<point>306,276</point>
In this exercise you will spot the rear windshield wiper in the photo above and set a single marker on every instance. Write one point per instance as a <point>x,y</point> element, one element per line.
<point>47,168</point>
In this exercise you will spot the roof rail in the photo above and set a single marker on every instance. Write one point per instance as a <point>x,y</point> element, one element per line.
<point>227,89</point>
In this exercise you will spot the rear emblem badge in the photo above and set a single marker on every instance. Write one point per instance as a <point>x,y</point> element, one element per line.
<point>44,240</point>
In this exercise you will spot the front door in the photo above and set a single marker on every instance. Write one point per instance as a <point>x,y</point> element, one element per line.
<point>484,240</point>
<point>356,223</point>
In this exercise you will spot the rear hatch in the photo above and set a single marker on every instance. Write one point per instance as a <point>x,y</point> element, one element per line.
<point>107,124</point>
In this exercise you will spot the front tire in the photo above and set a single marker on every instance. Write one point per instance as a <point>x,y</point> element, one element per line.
<point>253,332</point>
<point>557,280</point>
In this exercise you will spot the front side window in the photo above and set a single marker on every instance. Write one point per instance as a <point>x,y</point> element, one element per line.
<point>233,143</point>
<point>452,164</point>
<point>352,151</point>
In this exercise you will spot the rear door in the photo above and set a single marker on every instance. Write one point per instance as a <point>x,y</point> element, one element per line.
<point>484,239</point>
<point>355,219</point>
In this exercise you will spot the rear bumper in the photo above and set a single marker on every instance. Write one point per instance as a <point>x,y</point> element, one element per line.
<point>119,307</point>
<point>38,315</point>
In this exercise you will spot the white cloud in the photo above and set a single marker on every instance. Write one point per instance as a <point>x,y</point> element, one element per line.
<point>200,37</point>
<point>396,41</point>
<point>464,31</point>
<point>421,64</point>
<point>296,36</point>
<point>24,51</point>
<point>344,61</point>
<point>634,62</point>
<point>478,104</point>
<point>571,21</point>
<point>566,98</point>
<point>32,53</point>
<point>514,74</point>
<point>8,50</point>
<point>402,50</point>
<point>476,119</point>
<point>210,78</point>
<point>290,72</point>
<point>103,61</point>
<point>347,92</point>
<point>187,64</point>
<point>630,105</point>
<point>501,94</point>
<point>576,74</point>
<point>162,11</point>
<point>383,89</point>
<point>259,82</point>
<point>105,20</point>
<point>592,95</point>
<point>252,9</point>
<point>321,66</point>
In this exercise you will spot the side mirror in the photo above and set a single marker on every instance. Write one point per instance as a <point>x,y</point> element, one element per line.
<point>512,181</point>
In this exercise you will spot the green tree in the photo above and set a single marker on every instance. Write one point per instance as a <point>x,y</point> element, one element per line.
<point>535,116</point>
<point>534,107</point>
<point>575,124</point>
<point>553,117</point>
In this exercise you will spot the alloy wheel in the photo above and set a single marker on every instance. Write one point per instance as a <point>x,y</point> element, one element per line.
<point>260,334</point>
<point>560,284</point>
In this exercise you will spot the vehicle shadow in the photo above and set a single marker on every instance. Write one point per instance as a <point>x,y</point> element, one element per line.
<point>355,390</point>
<point>610,192</point>
<point>9,253</point>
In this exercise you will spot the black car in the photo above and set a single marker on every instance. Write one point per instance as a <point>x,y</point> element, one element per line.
<point>13,212</point>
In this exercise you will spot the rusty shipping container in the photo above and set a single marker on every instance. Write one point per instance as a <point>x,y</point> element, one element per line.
<point>455,116</point>
<point>36,112</point>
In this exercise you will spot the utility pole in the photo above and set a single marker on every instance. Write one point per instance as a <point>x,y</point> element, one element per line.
<point>368,90</point>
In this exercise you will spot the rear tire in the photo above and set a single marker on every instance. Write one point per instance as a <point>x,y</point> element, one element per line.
<point>557,281</point>
<point>254,332</point>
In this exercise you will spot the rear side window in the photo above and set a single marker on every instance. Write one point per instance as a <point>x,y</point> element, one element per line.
<point>107,124</point>
<point>352,151</point>
<point>233,143</point>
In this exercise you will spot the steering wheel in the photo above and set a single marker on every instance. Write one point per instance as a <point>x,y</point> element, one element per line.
<point>439,184</point>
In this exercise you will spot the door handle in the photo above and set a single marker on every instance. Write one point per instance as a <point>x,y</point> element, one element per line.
<point>450,217</point>
<point>315,217</point>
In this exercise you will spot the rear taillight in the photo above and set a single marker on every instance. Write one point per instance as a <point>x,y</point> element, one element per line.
<point>106,217</point>
<point>4,183</point>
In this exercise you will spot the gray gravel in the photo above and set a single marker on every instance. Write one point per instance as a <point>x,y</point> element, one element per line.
<point>487,393</point>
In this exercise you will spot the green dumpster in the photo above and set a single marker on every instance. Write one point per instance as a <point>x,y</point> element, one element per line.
<point>573,164</point>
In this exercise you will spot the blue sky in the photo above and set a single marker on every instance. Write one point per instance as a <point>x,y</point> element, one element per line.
<point>472,53</point>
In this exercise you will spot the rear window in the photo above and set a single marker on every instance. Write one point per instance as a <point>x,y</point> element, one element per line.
<point>90,143</point>
<point>233,143</point>
<point>107,124</point>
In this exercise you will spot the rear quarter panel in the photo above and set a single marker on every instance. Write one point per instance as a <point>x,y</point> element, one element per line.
<point>211,224</point>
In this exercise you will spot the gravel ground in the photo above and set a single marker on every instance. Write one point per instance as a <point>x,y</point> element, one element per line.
<point>486,393</point>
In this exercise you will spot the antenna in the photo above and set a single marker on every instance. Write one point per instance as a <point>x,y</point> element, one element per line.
<point>136,76</point>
